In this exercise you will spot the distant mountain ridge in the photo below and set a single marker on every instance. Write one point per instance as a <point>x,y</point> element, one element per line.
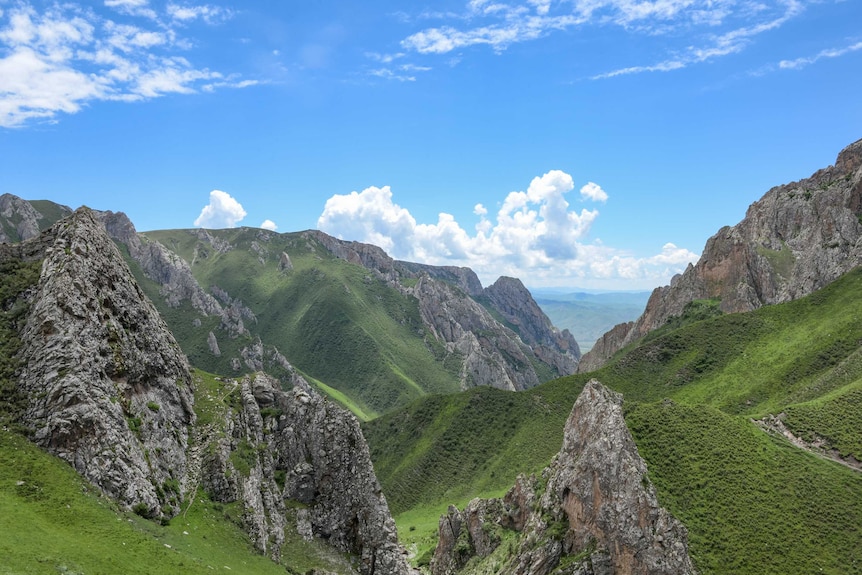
<point>372,331</point>
<point>797,238</point>
<point>589,315</point>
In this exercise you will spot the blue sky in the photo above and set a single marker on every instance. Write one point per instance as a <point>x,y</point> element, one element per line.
<point>588,143</point>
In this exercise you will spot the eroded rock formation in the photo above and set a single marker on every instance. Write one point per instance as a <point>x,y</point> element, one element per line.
<point>108,387</point>
<point>593,512</point>
<point>294,453</point>
<point>797,239</point>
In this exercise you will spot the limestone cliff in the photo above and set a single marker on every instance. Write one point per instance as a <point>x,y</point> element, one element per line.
<point>108,388</point>
<point>594,512</point>
<point>490,353</point>
<point>295,460</point>
<point>513,301</point>
<point>20,220</point>
<point>796,239</point>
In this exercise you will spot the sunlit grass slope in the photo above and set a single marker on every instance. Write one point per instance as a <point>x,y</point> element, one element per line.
<point>332,319</point>
<point>53,522</point>
<point>691,390</point>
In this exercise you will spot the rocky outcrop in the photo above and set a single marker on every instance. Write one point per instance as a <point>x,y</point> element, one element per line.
<point>160,264</point>
<point>515,303</point>
<point>365,255</point>
<point>108,388</point>
<point>295,454</point>
<point>491,354</point>
<point>464,279</point>
<point>598,510</point>
<point>20,220</point>
<point>797,239</point>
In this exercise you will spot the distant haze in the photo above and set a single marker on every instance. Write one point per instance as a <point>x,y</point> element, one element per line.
<point>589,315</point>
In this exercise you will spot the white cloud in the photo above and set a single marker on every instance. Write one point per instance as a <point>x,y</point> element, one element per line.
<point>534,235</point>
<point>269,225</point>
<point>223,211</point>
<point>370,215</point>
<point>594,192</point>
<point>830,53</point>
<point>133,8</point>
<point>66,56</point>
<point>713,28</point>
<point>207,13</point>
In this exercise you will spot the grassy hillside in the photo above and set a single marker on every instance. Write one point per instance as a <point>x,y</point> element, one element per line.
<point>55,522</point>
<point>335,321</point>
<point>691,390</point>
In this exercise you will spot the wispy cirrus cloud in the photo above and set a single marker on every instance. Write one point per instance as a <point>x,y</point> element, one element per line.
<point>59,58</point>
<point>717,45</point>
<point>828,53</point>
<point>535,234</point>
<point>705,29</point>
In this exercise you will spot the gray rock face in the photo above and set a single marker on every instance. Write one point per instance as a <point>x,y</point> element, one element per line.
<point>318,450</point>
<point>797,239</point>
<point>20,220</point>
<point>517,306</point>
<point>108,388</point>
<point>492,354</point>
<point>160,265</point>
<point>464,279</point>
<point>597,504</point>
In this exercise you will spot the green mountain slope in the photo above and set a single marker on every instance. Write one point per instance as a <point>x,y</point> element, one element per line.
<point>692,389</point>
<point>335,321</point>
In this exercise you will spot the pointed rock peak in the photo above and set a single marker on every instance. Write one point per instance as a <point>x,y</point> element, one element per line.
<point>598,410</point>
<point>598,514</point>
<point>599,482</point>
<point>510,283</point>
<point>108,387</point>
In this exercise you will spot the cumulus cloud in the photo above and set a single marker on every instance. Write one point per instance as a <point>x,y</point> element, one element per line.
<point>594,192</point>
<point>370,215</point>
<point>63,57</point>
<point>269,225</point>
<point>535,235</point>
<point>223,211</point>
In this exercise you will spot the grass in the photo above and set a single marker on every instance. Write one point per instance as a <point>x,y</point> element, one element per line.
<point>447,448</point>
<point>753,503</point>
<point>15,278</point>
<point>54,522</point>
<point>362,341</point>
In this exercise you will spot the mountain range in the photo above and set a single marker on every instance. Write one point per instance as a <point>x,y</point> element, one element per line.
<point>174,401</point>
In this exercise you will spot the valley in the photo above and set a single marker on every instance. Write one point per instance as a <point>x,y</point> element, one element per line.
<point>261,402</point>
